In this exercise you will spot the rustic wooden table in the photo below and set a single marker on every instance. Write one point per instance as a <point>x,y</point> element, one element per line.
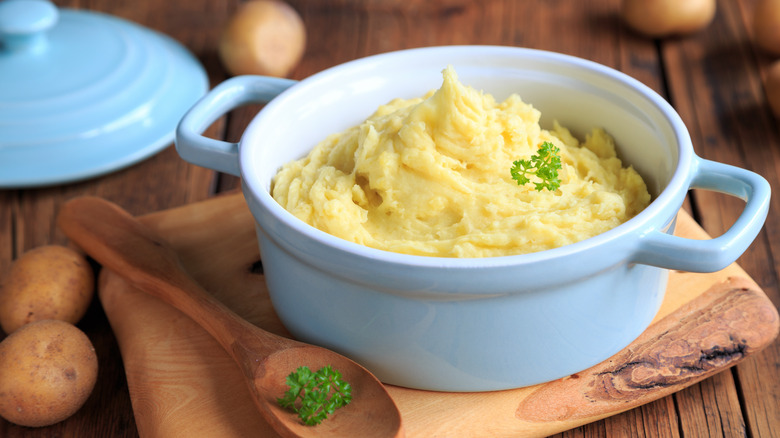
<point>713,78</point>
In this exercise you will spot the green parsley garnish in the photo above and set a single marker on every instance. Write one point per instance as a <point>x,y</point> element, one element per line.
<point>320,393</point>
<point>544,165</point>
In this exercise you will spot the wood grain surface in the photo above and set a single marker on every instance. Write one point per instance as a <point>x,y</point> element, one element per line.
<point>707,323</point>
<point>714,78</point>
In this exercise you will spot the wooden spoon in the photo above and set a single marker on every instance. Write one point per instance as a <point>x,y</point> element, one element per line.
<point>119,242</point>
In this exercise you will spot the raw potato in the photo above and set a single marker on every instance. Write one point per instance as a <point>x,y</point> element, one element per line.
<point>48,282</point>
<point>264,37</point>
<point>661,18</point>
<point>766,25</point>
<point>47,371</point>
<point>773,88</point>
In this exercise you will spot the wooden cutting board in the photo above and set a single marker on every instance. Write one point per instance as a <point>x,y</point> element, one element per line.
<point>183,384</point>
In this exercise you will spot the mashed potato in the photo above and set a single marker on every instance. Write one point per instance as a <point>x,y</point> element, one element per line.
<point>430,176</point>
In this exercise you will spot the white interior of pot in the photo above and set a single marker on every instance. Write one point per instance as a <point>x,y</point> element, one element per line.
<point>579,94</point>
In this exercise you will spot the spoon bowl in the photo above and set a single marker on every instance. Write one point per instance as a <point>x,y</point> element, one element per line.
<point>119,242</point>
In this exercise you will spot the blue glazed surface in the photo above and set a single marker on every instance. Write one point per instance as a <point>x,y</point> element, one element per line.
<point>86,93</point>
<point>430,338</point>
<point>453,324</point>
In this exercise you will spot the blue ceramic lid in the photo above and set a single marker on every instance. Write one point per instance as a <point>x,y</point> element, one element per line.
<point>84,93</point>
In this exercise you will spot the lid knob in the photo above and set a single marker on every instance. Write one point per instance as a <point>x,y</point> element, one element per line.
<point>23,24</point>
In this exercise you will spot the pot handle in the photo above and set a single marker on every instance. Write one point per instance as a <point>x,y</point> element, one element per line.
<point>229,95</point>
<point>667,251</point>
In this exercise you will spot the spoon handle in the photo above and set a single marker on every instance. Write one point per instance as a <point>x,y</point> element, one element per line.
<point>119,242</point>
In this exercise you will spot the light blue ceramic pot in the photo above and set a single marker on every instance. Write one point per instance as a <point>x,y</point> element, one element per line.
<point>472,324</point>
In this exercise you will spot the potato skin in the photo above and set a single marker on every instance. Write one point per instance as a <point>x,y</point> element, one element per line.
<point>48,282</point>
<point>766,25</point>
<point>48,369</point>
<point>662,18</point>
<point>263,37</point>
